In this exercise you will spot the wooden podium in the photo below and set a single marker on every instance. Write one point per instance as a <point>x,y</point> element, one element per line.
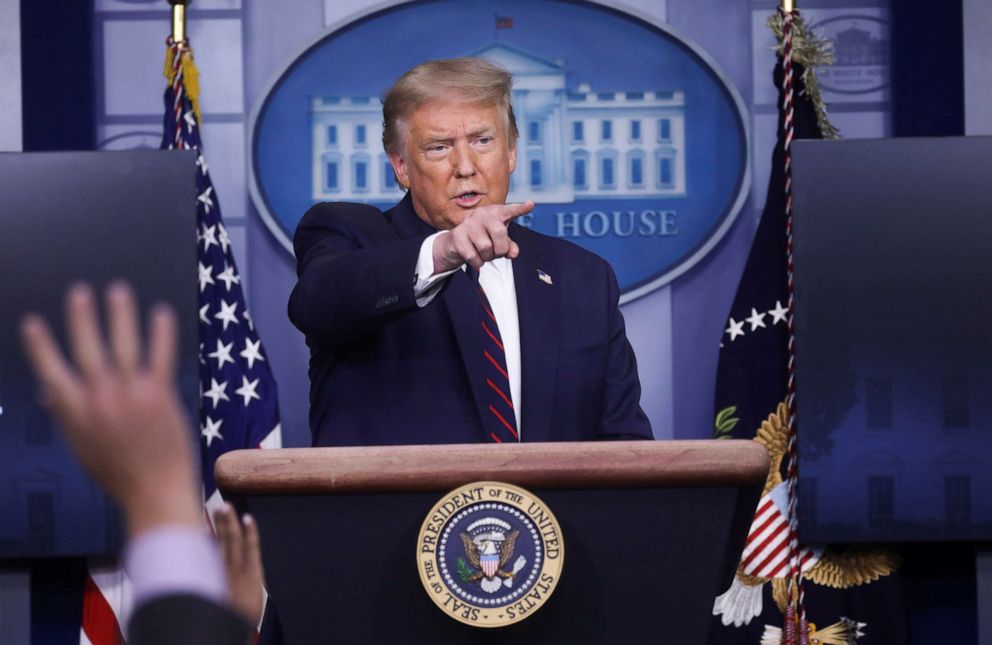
<point>652,531</point>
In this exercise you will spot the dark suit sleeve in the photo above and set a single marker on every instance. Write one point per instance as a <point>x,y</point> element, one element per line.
<point>622,416</point>
<point>186,619</point>
<point>355,273</point>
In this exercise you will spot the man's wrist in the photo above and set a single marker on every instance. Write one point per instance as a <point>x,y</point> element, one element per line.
<point>177,504</point>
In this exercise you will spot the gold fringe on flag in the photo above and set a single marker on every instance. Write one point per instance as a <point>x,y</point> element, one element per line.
<point>191,77</point>
<point>811,52</point>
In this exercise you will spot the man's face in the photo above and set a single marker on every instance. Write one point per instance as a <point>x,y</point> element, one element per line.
<point>455,157</point>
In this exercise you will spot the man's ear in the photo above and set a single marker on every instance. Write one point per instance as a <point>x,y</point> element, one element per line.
<point>513,155</point>
<point>399,167</point>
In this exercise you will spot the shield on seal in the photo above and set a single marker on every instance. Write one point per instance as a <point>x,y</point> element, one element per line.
<point>490,564</point>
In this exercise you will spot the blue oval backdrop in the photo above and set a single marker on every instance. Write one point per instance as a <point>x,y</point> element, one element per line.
<point>632,142</point>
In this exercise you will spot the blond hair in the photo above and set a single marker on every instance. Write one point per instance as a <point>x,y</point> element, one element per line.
<point>471,80</point>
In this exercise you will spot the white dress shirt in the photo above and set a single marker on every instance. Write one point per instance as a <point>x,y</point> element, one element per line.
<point>496,279</point>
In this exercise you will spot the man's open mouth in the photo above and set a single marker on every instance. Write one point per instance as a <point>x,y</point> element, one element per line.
<point>468,198</point>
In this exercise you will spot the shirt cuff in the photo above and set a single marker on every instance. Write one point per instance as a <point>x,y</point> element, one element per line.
<point>175,559</point>
<point>428,284</point>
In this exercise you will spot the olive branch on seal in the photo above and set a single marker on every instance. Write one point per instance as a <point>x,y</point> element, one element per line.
<point>465,572</point>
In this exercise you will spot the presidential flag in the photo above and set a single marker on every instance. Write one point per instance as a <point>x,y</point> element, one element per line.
<point>768,600</point>
<point>239,407</point>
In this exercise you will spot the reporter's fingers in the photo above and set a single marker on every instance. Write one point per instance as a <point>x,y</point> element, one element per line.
<point>122,318</point>
<point>229,535</point>
<point>512,211</point>
<point>252,543</point>
<point>57,378</point>
<point>162,341</point>
<point>84,330</point>
<point>220,518</point>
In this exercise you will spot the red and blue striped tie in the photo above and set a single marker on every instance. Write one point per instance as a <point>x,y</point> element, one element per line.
<point>502,422</point>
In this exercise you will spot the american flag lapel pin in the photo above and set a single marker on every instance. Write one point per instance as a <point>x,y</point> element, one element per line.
<point>544,277</point>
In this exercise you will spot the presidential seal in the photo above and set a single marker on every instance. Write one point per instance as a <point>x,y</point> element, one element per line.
<point>490,554</point>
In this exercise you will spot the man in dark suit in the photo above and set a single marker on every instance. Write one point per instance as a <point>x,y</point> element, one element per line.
<point>442,320</point>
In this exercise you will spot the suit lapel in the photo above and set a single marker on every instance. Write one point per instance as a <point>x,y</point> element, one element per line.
<point>539,315</point>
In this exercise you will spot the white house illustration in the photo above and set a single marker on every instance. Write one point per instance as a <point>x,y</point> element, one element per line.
<point>573,145</point>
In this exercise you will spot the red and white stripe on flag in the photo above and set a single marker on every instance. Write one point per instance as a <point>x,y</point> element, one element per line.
<point>106,606</point>
<point>766,552</point>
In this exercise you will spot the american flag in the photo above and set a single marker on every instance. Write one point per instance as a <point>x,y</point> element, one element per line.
<point>239,406</point>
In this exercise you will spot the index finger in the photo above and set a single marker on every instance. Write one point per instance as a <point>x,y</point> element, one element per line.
<point>510,212</point>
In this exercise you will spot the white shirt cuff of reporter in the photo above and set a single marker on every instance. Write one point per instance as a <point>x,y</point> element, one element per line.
<point>175,560</point>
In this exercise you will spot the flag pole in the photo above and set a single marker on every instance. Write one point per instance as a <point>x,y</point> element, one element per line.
<point>179,19</point>
<point>795,628</point>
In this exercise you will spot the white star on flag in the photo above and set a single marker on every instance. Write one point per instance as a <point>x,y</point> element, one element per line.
<point>203,313</point>
<point>206,276</point>
<point>217,392</point>
<point>226,313</point>
<point>228,277</point>
<point>756,319</point>
<point>204,198</point>
<point>202,163</point>
<point>211,430</point>
<point>190,120</point>
<point>247,390</point>
<point>252,352</point>
<point>223,237</point>
<point>223,354</point>
<point>735,329</point>
<point>247,317</point>
<point>209,237</point>
<point>778,313</point>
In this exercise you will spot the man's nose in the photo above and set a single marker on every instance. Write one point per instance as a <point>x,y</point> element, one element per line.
<point>463,160</point>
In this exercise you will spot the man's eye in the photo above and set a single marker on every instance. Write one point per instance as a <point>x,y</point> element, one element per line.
<point>485,140</point>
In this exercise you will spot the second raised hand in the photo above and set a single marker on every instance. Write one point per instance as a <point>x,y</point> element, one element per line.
<point>482,236</point>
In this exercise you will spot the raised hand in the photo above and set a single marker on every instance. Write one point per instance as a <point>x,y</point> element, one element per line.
<point>481,237</point>
<point>118,406</point>
<point>239,544</point>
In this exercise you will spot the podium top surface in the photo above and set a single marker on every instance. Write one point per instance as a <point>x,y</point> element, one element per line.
<point>596,464</point>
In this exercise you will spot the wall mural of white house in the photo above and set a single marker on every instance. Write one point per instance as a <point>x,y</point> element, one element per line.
<point>573,145</point>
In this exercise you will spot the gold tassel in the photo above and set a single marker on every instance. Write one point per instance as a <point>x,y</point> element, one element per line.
<point>811,52</point>
<point>191,76</point>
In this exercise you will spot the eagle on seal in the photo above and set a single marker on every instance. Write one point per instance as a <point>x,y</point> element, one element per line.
<point>490,557</point>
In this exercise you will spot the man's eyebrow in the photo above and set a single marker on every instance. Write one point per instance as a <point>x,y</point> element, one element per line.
<point>447,139</point>
<point>482,129</point>
<point>430,141</point>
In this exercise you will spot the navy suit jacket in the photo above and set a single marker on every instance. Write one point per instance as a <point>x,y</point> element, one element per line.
<point>384,371</point>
